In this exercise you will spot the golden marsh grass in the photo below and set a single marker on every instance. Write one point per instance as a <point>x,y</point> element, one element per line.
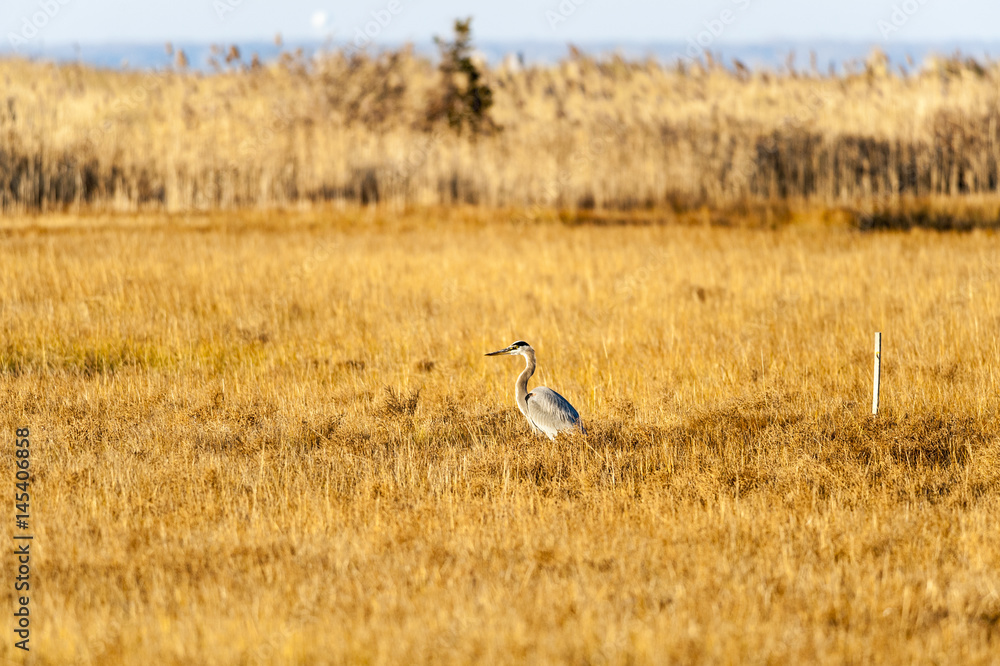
<point>273,438</point>
<point>584,135</point>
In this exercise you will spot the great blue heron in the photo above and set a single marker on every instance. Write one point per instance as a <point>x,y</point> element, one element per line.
<point>546,411</point>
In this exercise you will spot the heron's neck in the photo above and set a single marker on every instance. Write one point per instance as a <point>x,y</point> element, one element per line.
<point>521,385</point>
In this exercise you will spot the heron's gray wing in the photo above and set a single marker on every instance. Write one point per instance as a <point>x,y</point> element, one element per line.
<point>550,412</point>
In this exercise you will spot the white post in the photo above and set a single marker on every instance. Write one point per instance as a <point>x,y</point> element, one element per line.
<point>878,365</point>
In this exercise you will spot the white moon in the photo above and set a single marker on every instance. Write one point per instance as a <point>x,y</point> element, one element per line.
<point>318,19</point>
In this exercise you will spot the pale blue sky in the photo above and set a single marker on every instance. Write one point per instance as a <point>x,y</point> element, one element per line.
<point>749,21</point>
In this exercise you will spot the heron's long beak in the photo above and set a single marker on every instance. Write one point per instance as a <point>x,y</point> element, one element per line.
<point>499,352</point>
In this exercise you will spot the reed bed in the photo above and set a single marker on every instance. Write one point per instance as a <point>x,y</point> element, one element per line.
<point>877,145</point>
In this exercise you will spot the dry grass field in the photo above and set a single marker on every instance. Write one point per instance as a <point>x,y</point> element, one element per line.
<point>272,438</point>
<point>581,136</point>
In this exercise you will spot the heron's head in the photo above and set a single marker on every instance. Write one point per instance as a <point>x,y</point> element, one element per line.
<point>519,347</point>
